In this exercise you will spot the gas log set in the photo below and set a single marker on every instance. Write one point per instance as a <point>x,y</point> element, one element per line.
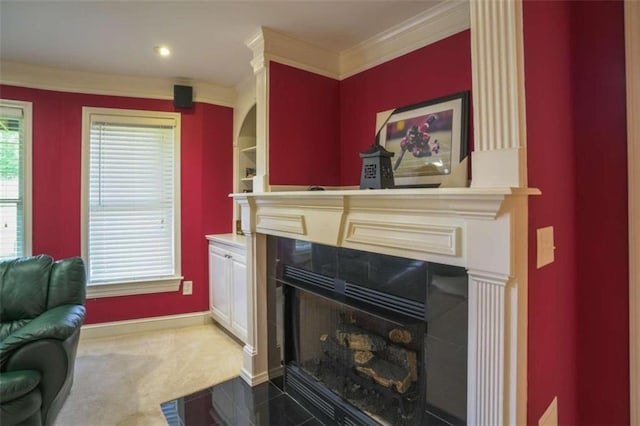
<point>377,373</point>
<point>389,365</point>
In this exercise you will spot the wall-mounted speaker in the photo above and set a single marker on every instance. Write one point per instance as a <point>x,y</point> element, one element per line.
<point>182,96</point>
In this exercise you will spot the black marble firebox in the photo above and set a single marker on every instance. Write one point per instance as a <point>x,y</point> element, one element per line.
<point>361,338</point>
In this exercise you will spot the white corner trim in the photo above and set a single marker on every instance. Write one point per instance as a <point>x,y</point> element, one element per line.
<point>46,78</point>
<point>269,45</point>
<point>436,23</point>
<point>96,291</point>
<point>119,328</point>
<point>632,42</point>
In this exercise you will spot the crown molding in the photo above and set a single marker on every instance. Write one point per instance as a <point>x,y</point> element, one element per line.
<point>39,77</point>
<point>441,21</point>
<point>269,45</point>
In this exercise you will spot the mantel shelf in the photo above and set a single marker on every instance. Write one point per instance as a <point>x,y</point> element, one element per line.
<point>420,223</point>
<point>477,203</point>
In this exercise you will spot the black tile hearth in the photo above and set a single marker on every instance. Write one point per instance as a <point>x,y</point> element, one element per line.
<point>235,403</point>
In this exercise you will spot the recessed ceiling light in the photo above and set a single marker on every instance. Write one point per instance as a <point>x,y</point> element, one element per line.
<point>163,51</point>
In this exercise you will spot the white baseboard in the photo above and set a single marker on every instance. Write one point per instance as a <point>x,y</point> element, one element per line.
<point>118,328</point>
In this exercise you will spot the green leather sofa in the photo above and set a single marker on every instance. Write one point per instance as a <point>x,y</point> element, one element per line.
<point>41,311</point>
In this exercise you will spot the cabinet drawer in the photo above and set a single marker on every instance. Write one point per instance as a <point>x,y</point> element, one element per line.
<point>227,248</point>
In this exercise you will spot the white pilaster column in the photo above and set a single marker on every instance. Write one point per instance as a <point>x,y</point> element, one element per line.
<point>486,361</point>
<point>260,64</point>
<point>497,352</point>
<point>499,158</point>
<point>255,352</point>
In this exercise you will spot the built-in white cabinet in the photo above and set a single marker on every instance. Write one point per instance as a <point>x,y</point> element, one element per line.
<point>228,282</point>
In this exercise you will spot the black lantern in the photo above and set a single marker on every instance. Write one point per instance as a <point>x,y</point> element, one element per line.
<point>376,168</point>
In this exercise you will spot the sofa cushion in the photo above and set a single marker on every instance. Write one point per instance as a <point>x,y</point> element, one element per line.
<point>23,287</point>
<point>67,284</point>
<point>14,384</point>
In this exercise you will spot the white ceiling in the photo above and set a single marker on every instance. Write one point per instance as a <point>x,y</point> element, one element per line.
<point>207,37</point>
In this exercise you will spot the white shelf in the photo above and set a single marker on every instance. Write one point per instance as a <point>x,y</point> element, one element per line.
<point>251,149</point>
<point>247,179</point>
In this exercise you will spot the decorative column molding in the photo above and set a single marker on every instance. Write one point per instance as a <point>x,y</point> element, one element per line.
<point>632,42</point>
<point>255,352</point>
<point>497,352</point>
<point>260,64</point>
<point>499,159</point>
<point>486,355</point>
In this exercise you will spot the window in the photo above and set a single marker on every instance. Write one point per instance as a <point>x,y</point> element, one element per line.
<point>131,201</point>
<point>15,179</point>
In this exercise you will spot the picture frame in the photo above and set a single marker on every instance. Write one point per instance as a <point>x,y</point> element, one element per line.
<point>429,140</point>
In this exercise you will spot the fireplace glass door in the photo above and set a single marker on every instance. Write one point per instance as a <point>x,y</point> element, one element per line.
<point>371,362</point>
<point>363,338</point>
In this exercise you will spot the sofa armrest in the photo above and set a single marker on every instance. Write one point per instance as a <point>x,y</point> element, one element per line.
<point>55,360</point>
<point>58,323</point>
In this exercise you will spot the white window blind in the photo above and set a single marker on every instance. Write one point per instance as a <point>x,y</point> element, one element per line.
<point>14,182</point>
<point>131,198</point>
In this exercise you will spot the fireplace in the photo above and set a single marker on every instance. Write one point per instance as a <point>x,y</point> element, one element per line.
<point>367,338</point>
<point>450,230</point>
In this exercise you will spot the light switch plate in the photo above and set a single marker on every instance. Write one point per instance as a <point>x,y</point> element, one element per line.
<point>187,288</point>
<point>546,246</point>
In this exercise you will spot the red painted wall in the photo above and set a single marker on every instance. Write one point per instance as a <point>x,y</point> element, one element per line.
<point>304,139</point>
<point>601,203</point>
<point>436,70</point>
<point>578,306</point>
<point>206,179</point>
<point>552,349</point>
<point>318,126</point>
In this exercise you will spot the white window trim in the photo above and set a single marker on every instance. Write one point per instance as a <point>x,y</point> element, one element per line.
<point>157,285</point>
<point>27,119</point>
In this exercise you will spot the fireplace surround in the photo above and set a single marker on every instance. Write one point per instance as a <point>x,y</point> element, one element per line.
<point>367,338</point>
<point>482,230</point>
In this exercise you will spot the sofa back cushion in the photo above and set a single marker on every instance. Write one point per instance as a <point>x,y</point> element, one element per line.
<point>23,287</point>
<point>68,283</point>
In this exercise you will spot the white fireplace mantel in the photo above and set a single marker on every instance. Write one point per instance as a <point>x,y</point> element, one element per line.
<point>481,229</point>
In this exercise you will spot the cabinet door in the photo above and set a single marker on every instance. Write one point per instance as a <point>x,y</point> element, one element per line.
<point>239,296</point>
<point>219,285</point>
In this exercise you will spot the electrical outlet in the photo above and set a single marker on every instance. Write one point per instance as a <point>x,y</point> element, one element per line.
<point>187,288</point>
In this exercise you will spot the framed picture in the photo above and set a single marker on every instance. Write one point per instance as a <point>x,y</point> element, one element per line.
<point>429,140</point>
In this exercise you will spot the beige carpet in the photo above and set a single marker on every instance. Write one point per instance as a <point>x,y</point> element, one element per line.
<point>123,380</point>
